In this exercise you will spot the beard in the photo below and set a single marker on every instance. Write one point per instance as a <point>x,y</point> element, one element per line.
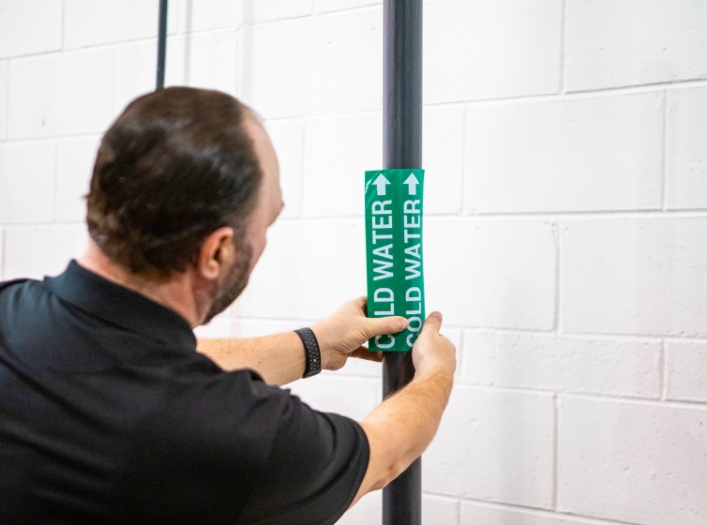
<point>235,282</point>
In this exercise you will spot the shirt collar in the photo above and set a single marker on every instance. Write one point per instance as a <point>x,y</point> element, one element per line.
<point>119,305</point>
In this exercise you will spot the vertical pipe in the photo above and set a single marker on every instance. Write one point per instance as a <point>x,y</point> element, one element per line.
<point>402,146</point>
<point>161,44</point>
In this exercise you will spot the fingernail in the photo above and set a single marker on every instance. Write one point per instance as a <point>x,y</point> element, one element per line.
<point>402,324</point>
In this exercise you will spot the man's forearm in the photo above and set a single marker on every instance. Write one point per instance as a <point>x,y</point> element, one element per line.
<point>278,358</point>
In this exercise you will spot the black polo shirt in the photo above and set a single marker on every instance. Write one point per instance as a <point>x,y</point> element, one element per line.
<point>109,415</point>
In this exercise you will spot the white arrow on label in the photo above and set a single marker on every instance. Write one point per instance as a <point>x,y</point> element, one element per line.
<point>380,183</point>
<point>412,183</point>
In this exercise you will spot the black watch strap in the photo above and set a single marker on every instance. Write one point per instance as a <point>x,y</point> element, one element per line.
<point>313,363</point>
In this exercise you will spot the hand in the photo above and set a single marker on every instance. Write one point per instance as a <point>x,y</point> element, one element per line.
<point>342,334</point>
<point>433,352</point>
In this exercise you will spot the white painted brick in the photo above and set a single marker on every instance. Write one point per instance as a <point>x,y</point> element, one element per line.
<point>634,276</point>
<point>29,27</point>
<point>633,462</point>
<point>338,150</point>
<point>75,160</point>
<point>205,60</point>
<point>347,62</point>
<point>351,397</point>
<point>437,510</point>
<point>443,158</point>
<point>277,69</point>
<point>686,185</point>
<point>368,511</point>
<point>567,364</point>
<point>634,42</point>
<point>266,10</point>
<point>481,50</point>
<point>2,253</point>
<point>473,513</point>
<point>288,138</point>
<point>61,94</point>
<point>602,153</point>
<point>494,445</point>
<point>320,65</point>
<point>27,174</point>
<point>36,251</point>
<point>90,23</point>
<point>686,366</point>
<point>307,271</point>
<point>492,273</point>
<point>135,72</point>
<point>203,15</point>
<point>4,79</point>
<point>325,6</point>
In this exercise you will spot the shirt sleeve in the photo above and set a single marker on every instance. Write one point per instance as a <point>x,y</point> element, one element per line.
<point>314,470</point>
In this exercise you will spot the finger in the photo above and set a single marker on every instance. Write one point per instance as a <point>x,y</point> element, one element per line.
<point>362,353</point>
<point>360,302</point>
<point>433,323</point>
<point>386,325</point>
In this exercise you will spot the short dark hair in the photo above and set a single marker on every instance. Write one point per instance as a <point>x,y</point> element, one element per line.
<point>176,165</point>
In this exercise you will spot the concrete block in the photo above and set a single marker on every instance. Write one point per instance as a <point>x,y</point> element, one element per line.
<point>600,153</point>
<point>267,10</point>
<point>326,6</point>
<point>2,252</point>
<point>686,158</point>
<point>205,60</point>
<point>338,150</point>
<point>501,272</point>
<point>205,15</point>
<point>74,166</point>
<point>64,94</point>
<point>484,50</point>
<point>135,75</point>
<point>633,42</point>
<point>27,175</point>
<point>473,513</point>
<point>36,251</point>
<point>288,138</point>
<point>686,366</point>
<point>89,23</point>
<point>4,79</point>
<point>565,364</point>
<point>307,271</point>
<point>494,445</point>
<point>634,276</point>
<point>443,158</point>
<point>319,65</point>
<point>351,397</point>
<point>639,462</point>
<point>28,28</point>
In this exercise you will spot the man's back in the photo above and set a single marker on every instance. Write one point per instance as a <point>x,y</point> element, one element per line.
<point>107,413</point>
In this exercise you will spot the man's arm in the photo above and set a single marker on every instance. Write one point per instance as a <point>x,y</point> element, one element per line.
<point>280,358</point>
<point>401,428</point>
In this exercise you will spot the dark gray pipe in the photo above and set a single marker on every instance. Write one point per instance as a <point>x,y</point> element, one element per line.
<point>402,146</point>
<point>161,44</point>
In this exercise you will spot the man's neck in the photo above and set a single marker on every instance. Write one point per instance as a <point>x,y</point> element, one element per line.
<point>174,292</point>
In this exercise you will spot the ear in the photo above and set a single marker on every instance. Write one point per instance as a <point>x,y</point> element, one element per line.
<point>217,254</point>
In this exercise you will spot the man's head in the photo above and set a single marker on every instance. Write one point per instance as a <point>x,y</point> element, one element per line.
<point>186,180</point>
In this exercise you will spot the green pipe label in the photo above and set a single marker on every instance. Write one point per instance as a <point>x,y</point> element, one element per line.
<point>396,285</point>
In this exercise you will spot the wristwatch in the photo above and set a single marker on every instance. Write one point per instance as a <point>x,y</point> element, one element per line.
<point>313,364</point>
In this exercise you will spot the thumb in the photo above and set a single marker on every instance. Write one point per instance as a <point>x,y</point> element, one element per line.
<point>432,325</point>
<point>385,325</point>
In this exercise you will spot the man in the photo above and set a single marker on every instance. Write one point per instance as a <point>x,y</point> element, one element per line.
<point>108,414</point>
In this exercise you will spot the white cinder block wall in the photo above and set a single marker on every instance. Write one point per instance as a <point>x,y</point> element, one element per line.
<point>566,226</point>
